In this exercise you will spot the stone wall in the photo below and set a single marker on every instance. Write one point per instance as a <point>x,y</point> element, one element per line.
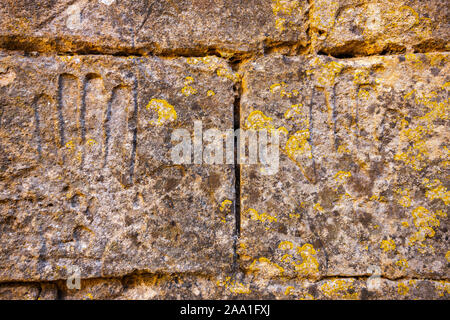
<point>92,91</point>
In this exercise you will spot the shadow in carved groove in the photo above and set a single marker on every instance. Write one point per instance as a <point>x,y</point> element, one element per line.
<point>93,129</point>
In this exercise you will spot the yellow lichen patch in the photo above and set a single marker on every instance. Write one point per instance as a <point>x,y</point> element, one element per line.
<point>283,130</point>
<point>280,87</point>
<point>435,59</point>
<point>405,200</point>
<point>378,198</point>
<point>286,257</point>
<point>257,120</point>
<point>295,109</point>
<point>295,114</point>
<point>193,61</point>
<point>361,77</point>
<point>66,59</point>
<point>279,24</point>
<point>225,204</point>
<point>298,145</point>
<point>343,149</point>
<point>363,94</point>
<point>266,267</point>
<point>346,196</point>
<point>285,245</point>
<point>402,263</point>
<point>306,296</point>
<point>338,289</point>
<point>263,217</point>
<point>287,292</point>
<point>234,286</point>
<point>414,136</point>
<point>166,112</point>
<point>424,220</point>
<point>189,80</point>
<point>326,73</point>
<point>442,287</point>
<point>322,17</point>
<point>226,73</point>
<point>283,11</point>
<point>405,224</point>
<point>388,245</point>
<point>91,142</point>
<point>405,18</point>
<point>417,153</point>
<point>188,90</point>
<point>447,256</point>
<point>210,93</point>
<point>414,60</point>
<point>318,207</point>
<point>215,64</point>
<point>402,289</point>
<point>242,251</point>
<point>437,191</point>
<point>284,6</point>
<point>342,176</point>
<point>70,145</point>
<point>309,265</point>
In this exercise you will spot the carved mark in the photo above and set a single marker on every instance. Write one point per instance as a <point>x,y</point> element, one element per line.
<point>356,131</point>
<point>334,116</point>
<point>67,108</point>
<point>46,127</point>
<point>147,14</point>
<point>311,133</point>
<point>37,127</point>
<point>133,125</point>
<point>118,134</point>
<point>93,109</point>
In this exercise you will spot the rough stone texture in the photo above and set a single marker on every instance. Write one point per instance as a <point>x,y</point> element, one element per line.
<point>157,26</point>
<point>363,166</point>
<point>197,287</point>
<point>79,190</point>
<point>355,27</point>
<point>35,291</point>
<point>176,27</point>
<point>91,91</point>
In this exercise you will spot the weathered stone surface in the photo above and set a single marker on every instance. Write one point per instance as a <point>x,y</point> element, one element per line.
<point>343,27</point>
<point>363,175</point>
<point>356,210</point>
<point>23,291</point>
<point>197,287</point>
<point>158,26</point>
<point>355,27</point>
<point>86,176</point>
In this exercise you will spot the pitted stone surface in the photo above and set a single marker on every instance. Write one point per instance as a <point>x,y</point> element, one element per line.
<point>87,180</point>
<point>362,182</point>
<point>197,287</point>
<point>157,26</point>
<point>91,91</point>
<point>355,27</point>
